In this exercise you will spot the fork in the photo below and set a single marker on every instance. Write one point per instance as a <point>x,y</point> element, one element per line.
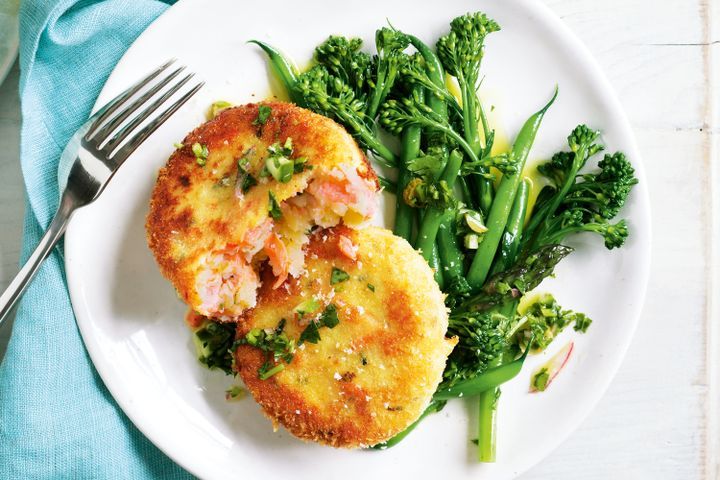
<point>97,150</point>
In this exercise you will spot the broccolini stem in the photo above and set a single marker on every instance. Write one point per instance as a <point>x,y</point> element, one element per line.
<point>487,424</point>
<point>433,217</point>
<point>467,196</point>
<point>509,251</point>
<point>498,216</point>
<point>404,214</point>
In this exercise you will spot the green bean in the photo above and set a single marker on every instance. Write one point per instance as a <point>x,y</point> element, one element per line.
<point>436,265</point>
<point>435,406</point>
<point>510,241</point>
<point>284,70</point>
<point>491,378</point>
<point>451,257</point>
<point>504,200</point>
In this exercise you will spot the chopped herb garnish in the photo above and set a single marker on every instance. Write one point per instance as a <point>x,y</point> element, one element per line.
<point>274,207</point>
<point>269,369</point>
<point>263,115</point>
<point>217,107</point>
<point>310,334</point>
<point>329,317</point>
<point>308,306</point>
<point>371,287</point>
<point>300,165</point>
<point>338,276</point>
<point>276,345</point>
<point>214,345</point>
<point>247,183</point>
<point>201,153</point>
<point>541,379</point>
<point>235,392</point>
<point>279,165</point>
<point>245,180</point>
<point>363,359</point>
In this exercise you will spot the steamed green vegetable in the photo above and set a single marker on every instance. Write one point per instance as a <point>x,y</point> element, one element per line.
<point>472,214</point>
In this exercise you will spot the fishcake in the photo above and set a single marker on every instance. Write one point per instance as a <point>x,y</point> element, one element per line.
<point>374,368</point>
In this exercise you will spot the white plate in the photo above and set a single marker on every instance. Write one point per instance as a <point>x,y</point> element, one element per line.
<point>131,319</point>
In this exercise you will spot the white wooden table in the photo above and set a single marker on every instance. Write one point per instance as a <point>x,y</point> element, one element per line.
<point>659,419</point>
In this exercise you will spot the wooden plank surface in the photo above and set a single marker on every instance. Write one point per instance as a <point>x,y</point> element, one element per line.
<point>658,420</point>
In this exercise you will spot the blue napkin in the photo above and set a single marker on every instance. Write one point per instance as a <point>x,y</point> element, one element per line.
<point>57,419</point>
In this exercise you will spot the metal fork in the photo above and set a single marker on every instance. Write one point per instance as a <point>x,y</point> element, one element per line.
<point>97,150</point>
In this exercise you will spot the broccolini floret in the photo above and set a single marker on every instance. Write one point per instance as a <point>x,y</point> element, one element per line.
<point>576,203</point>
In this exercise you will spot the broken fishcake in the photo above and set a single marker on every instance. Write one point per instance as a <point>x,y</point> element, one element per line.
<point>247,187</point>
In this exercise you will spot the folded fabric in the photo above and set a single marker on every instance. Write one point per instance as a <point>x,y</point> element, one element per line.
<point>57,419</point>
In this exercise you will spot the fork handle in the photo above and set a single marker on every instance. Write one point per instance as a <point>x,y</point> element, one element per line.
<point>19,284</point>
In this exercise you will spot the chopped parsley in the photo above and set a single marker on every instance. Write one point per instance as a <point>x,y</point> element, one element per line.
<point>245,180</point>
<point>338,276</point>
<point>264,112</point>
<point>276,345</point>
<point>310,334</point>
<point>214,345</point>
<point>201,153</point>
<point>274,207</point>
<point>329,318</point>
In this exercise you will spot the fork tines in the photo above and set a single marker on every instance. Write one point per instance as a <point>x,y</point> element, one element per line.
<point>110,133</point>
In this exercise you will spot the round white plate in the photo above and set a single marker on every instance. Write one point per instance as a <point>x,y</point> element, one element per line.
<point>131,319</point>
<point>8,35</point>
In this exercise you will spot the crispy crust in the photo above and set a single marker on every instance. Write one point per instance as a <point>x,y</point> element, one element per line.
<point>194,209</point>
<point>328,393</point>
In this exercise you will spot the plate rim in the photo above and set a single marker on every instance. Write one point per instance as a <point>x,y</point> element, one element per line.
<point>600,83</point>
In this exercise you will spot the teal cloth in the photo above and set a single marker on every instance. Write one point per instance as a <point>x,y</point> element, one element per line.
<point>57,419</point>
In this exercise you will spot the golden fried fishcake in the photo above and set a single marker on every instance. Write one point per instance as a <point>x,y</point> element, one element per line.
<point>209,230</point>
<point>371,375</point>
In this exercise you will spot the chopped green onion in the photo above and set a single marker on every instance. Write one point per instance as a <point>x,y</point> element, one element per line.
<point>281,168</point>
<point>201,153</point>
<point>308,306</point>
<point>371,287</point>
<point>266,372</point>
<point>472,241</point>
<point>216,108</point>
<point>474,221</point>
